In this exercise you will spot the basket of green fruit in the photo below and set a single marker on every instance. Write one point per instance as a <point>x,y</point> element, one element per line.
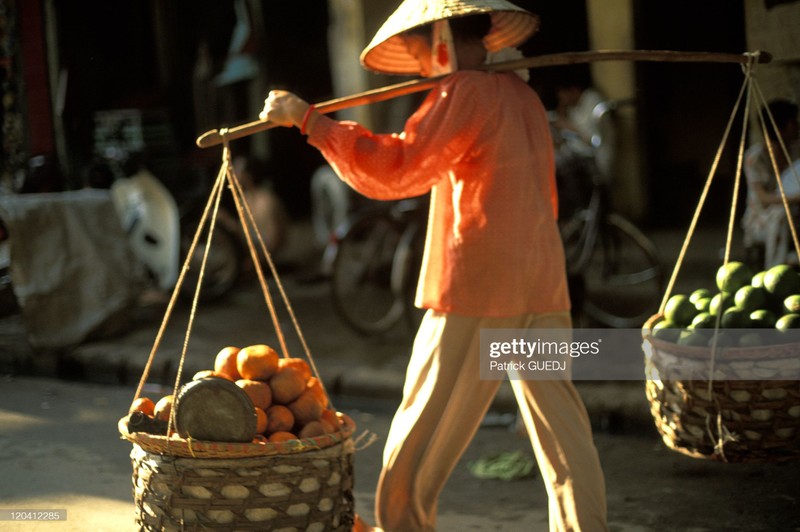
<point>722,367</point>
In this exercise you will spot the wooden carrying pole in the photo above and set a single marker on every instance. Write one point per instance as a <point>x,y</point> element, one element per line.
<point>215,137</point>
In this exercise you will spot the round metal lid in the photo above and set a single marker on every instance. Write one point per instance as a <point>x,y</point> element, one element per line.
<point>214,409</point>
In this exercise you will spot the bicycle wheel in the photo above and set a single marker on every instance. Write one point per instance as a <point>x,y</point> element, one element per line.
<point>622,276</point>
<point>361,277</point>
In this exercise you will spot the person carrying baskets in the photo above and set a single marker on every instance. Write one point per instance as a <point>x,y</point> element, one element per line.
<point>480,143</point>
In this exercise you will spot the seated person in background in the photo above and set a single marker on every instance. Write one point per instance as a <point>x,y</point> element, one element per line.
<point>764,220</point>
<point>269,212</point>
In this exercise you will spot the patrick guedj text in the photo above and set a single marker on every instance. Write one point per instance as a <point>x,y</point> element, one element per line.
<point>537,348</point>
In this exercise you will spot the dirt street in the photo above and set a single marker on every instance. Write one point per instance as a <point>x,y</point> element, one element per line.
<point>59,449</point>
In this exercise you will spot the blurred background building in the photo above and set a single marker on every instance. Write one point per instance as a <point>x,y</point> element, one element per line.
<point>80,77</point>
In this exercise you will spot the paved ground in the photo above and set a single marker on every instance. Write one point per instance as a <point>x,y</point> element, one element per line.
<point>59,449</point>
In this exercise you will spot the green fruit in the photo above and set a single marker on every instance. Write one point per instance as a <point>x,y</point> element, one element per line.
<point>667,331</point>
<point>723,339</point>
<point>781,281</point>
<point>703,304</point>
<point>750,298</point>
<point>792,303</point>
<point>758,279</point>
<point>732,276</point>
<point>750,339</point>
<point>680,310</point>
<point>763,319</point>
<point>700,293</point>
<point>693,338</point>
<point>704,320</point>
<point>720,303</point>
<point>735,318</point>
<point>788,321</point>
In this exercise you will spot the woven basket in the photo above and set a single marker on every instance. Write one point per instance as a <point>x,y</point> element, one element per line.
<point>743,414</point>
<point>188,485</point>
<point>309,491</point>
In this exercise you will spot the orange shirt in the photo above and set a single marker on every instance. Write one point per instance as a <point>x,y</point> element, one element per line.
<point>480,143</point>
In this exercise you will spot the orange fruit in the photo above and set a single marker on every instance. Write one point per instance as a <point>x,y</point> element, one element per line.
<point>261,420</point>
<point>225,363</point>
<point>163,408</point>
<point>312,430</point>
<point>314,385</point>
<point>306,408</point>
<point>279,419</point>
<point>202,374</point>
<point>144,405</point>
<point>287,384</point>
<point>258,391</point>
<point>260,438</point>
<point>257,362</point>
<point>297,363</point>
<point>281,437</point>
<point>330,417</point>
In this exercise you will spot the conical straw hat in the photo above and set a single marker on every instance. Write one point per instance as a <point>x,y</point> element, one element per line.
<point>511,26</point>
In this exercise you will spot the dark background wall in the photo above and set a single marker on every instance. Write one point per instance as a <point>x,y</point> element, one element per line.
<point>143,55</point>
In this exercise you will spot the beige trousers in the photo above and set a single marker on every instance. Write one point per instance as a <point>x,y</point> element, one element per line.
<point>444,402</point>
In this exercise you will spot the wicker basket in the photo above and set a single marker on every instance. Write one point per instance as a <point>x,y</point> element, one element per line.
<point>745,414</point>
<point>302,485</point>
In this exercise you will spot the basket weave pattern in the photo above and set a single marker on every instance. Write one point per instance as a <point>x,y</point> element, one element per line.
<point>740,417</point>
<point>310,491</point>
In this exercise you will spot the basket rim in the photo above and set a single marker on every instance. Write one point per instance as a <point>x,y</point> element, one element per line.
<point>704,353</point>
<point>177,446</point>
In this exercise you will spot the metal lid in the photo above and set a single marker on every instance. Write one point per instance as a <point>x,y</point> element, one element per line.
<point>214,409</point>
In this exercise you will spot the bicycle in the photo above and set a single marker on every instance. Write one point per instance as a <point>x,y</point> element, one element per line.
<point>616,276</point>
<point>373,262</point>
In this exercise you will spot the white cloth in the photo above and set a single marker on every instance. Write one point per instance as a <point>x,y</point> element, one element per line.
<point>72,271</point>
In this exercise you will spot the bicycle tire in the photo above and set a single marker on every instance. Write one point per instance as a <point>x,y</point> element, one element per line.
<point>622,275</point>
<point>361,275</point>
<point>406,268</point>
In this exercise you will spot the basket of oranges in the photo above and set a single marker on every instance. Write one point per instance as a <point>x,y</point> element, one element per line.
<point>251,444</point>
<point>722,367</point>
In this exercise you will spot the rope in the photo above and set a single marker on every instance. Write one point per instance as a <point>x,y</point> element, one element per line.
<point>700,204</point>
<point>245,214</point>
<point>175,292</point>
<point>238,199</point>
<point>774,162</point>
<point>196,298</point>
<point>749,86</point>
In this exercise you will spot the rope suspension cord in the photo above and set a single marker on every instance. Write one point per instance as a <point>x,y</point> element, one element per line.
<point>241,205</point>
<point>215,191</point>
<point>209,218</point>
<point>249,227</point>
<point>774,162</point>
<point>226,154</point>
<point>703,196</point>
<point>245,216</point>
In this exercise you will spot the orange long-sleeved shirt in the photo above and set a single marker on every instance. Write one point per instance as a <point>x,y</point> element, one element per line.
<point>480,143</point>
